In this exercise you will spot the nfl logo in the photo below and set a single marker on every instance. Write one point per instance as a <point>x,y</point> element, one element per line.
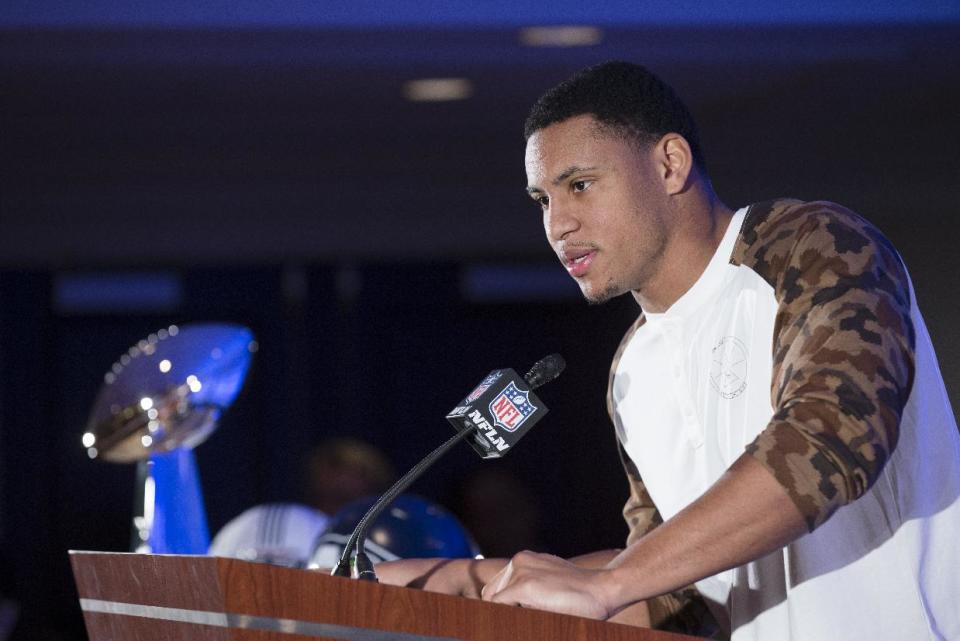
<point>483,386</point>
<point>511,408</point>
<point>477,393</point>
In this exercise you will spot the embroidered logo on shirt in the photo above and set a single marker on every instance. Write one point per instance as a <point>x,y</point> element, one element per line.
<point>728,371</point>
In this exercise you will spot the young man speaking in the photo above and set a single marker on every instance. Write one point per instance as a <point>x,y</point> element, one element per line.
<point>788,440</point>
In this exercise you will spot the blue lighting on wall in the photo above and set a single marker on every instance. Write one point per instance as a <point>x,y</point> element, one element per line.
<point>517,284</point>
<point>387,13</point>
<point>117,292</point>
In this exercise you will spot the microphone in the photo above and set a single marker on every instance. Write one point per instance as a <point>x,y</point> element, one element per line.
<point>545,370</point>
<point>503,407</point>
<point>495,415</point>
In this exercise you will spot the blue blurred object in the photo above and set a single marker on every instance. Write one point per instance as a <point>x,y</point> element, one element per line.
<point>412,527</point>
<point>162,398</point>
<point>177,523</point>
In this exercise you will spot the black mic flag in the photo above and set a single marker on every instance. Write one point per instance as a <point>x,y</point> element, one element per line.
<point>503,407</point>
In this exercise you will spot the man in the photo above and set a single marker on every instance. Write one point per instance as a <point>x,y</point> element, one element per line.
<point>783,423</point>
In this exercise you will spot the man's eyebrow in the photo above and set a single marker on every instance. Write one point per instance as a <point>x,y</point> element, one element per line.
<point>569,171</point>
<point>566,173</point>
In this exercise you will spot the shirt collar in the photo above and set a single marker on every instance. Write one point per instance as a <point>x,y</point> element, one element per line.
<point>712,277</point>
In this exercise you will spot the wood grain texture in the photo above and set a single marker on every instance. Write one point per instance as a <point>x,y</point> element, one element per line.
<point>154,579</point>
<point>239,587</point>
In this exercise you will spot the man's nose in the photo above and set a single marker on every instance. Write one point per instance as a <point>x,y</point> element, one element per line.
<point>560,221</point>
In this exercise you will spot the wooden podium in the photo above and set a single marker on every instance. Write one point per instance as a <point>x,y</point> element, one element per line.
<point>152,597</point>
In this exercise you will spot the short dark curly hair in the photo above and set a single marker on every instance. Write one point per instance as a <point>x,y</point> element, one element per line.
<point>624,96</point>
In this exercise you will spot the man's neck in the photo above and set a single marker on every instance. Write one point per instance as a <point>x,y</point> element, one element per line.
<point>697,237</point>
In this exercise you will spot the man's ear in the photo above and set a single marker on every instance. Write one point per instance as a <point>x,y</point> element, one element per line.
<point>674,162</point>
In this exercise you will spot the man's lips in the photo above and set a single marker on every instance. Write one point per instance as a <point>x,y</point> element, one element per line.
<point>577,260</point>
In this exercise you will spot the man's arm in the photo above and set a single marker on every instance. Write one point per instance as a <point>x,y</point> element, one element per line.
<point>638,613</point>
<point>745,515</point>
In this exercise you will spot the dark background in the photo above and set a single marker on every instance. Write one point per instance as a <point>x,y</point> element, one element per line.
<point>383,251</point>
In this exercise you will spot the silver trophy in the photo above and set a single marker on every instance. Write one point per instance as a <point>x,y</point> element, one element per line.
<point>161,399</point>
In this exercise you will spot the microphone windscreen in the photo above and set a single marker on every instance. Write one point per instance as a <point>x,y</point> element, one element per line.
<point>545,370</point>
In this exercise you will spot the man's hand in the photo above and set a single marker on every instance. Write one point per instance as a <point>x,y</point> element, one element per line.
<point>466,577</point>
<point>460,577</point>
<point>547,582</point>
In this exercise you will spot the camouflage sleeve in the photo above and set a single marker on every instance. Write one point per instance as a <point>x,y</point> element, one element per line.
<point>639,511</point>
<point>843,352</point>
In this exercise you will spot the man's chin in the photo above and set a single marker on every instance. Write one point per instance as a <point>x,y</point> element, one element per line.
<point>599,296</point>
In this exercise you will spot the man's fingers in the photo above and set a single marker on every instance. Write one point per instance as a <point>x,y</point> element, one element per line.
<point>497,583</point>
<point>509,592</point>
<point>507,586</point>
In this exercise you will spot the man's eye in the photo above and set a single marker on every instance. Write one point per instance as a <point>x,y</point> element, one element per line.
<point>543,201</point>
<point>580,185</point>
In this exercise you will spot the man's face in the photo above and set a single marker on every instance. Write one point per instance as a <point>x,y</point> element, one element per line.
<point>604,205</point>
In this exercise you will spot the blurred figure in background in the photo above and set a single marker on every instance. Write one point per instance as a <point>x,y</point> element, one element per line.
<point>338,471</point>
<point>342,470</point>
<point>276,533</point>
